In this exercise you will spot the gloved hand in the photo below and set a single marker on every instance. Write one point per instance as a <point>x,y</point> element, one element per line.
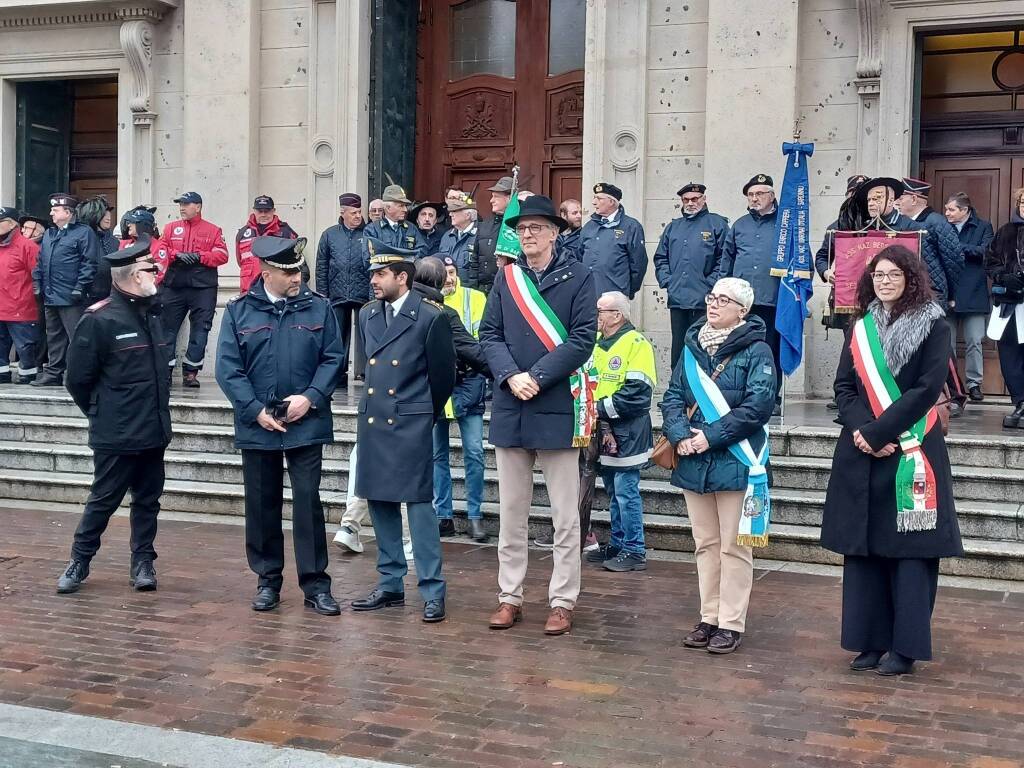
<point>76,297</point>
<point>187,258</point>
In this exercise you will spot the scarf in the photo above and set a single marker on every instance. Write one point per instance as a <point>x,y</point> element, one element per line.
<point>710,338</point>
<point>902,337</point>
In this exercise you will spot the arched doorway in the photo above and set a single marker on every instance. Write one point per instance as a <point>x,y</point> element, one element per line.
<point>500,82</point>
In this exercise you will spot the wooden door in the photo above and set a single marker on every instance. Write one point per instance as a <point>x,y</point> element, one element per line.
<point>43,144</point>
<point>502,84</point>
<point>93,163</point>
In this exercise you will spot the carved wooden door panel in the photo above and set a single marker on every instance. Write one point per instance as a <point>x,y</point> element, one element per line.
<point>501,83</point>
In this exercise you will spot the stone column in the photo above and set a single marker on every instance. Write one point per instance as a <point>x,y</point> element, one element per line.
<point>137,45</point>
<point>751,95</point>
<point>869,73</point>
<point>222,111</point>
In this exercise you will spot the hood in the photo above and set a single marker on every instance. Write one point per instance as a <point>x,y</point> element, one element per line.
<point>741,338</point>
<point>1016,218</point>
<point>428,292</point>
<point>257,297</point>
<point>693,216</point>
<point>764,216</point>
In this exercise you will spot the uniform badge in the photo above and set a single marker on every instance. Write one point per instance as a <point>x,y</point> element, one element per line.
<point>706,236</point>
<point>619,233</point>
<point>762,178</point>
<point>753,506</point>
<point>412,241</point>
<point>615,363</point>
<point>247,233</point>
<point>179,230</point>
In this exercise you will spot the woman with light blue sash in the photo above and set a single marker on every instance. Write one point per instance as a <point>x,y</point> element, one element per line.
<point>715,413</point>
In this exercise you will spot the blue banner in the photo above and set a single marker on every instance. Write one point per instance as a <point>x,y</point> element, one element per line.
<point>793,256</point>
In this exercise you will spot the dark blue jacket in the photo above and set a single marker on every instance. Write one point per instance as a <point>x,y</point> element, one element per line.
<point>546,420</point>
<point>748,385</point>
<point>688,257</point>
<point>405,235</point>
<point>343,265</point>
<point>940,249</point>
<point>266,354</point>
<point>68,259</point>
<point>972,290</point>
<point>749,253</point>
<point>569,243</point>
<point>460,247</point>
<point>433,238</point>
<point>615,253</point>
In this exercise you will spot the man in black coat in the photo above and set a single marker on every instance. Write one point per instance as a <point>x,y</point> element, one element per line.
<point>118,375</point>
<point>534,412</point>
<point>410,375</point>
<point>482,264</point>
<point>278,361</point>
<point>940,247</point>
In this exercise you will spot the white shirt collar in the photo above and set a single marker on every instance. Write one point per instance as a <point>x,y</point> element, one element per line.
<point>397,303</point>
<point>392,224</point>
<point>273,299</point>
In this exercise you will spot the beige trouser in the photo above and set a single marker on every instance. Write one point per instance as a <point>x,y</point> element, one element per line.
<point>725,570</point>
<point>515,494</point>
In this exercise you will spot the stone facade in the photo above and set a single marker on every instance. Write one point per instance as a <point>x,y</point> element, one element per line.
<point>240,97</point>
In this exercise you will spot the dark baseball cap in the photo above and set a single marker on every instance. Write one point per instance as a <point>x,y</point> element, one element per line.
<point>263,203</point>
<point>189,197</point>
<point>8,213</point>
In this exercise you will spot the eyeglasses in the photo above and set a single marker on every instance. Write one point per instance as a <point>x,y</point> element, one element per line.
<point>148,269</point>
<point>533,229</point>
<point>696,199</point>
<point>759,194</point>
<point>606,310</point>
<point>720,301</point>
<point>893,277</point>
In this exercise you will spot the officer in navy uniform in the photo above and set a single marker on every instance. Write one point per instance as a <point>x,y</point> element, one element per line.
<point>410,374</point>
<point>278,361</point>
<point>394,227</point>
<point>118,375</point>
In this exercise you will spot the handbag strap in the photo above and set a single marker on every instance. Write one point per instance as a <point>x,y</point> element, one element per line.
<point>714,376</point>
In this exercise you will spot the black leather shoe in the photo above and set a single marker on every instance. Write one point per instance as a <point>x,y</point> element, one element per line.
<point>324,604</point>
<point>143,576</point>
<point>895,664</point>
<point>975,394</point>
<point>477,532</point>
<point>267,599</point>
<point>433,611</point>
<point>700,636</point>
<point>867,660</point>
<point>724,641</point>
<point>378,599</point>
<point>1013,420</point>
<point>73,576</point>
<point>47,380</point>
<point>446,527</point>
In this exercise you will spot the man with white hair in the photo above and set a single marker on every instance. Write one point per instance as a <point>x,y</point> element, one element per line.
<point>611,244</point>
<point>626,377</point>
<point>459,242</point>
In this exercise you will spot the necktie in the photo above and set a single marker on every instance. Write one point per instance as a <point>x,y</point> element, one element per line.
<point>389,315</point>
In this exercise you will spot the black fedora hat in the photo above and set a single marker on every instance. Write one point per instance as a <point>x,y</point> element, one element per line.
<point>879,181</point>
<point>538,205</point>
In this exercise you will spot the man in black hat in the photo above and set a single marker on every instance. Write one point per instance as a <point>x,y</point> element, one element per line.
<point>409,377</point>
<point>940,248</point>
<point>118,375</point>
<point>749,253</point>
<point>196,250</point>
<point>482,264</point>
<point>430,218</point>
<point>262,221</point>
<point>535,413</point>
<point>278,360</point>
<point>68,260</point>
<point>612,244</point>
<point>687,261</point>
<point>341,274</point>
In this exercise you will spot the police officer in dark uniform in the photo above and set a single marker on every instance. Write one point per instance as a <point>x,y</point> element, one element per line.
<point>278,361</point>
<point>410,374</point>
<point>118,375</point>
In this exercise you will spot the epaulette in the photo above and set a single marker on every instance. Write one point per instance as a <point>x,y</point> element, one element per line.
<point>98,305</point>
<point>433,303</point>
<point>370,302</point>
<point>233,299</point>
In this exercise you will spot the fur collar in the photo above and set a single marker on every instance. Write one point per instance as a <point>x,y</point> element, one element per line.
<point>902,337</point>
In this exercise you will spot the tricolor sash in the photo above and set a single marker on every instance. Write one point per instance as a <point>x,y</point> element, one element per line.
<point>915,481</point>
<point>549,329</point>
<point>757,503</point>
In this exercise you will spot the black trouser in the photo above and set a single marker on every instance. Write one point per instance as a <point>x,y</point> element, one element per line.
<point>115,474</point>
<point>887,604</point>
<point>772,338</point>
<point>60,327</point>
<point>263,475</point>
<point>588,479</point>
<point>199,304</point>
<point>348,317</point>
<point>41,349</point>
<point>1011,362</point>
<point>682,319</point>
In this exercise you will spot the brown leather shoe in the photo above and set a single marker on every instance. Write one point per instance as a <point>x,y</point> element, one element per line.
<point>559,621</point>
<point>506,616</point>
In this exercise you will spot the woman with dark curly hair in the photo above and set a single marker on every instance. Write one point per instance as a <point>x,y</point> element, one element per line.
<point>889,507</point>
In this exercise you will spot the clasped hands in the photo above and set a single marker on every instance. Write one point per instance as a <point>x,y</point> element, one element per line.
<point>691,445</point>
<point>886,450</point>
<point>298,406</point>
<point>523,386</point>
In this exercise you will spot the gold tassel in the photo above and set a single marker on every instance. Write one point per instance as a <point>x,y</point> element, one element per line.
<point>748,540</point>
<point>580,442</point>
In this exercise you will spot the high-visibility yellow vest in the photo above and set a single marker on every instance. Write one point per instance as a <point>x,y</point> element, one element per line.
<point>469,303</point>
<point>630,357</point>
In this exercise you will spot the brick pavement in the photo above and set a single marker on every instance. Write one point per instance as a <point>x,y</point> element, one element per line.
<point>619,691</point>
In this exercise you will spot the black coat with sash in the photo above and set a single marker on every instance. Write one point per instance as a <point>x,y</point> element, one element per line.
<point>860,505</point>
<point>410,374</point>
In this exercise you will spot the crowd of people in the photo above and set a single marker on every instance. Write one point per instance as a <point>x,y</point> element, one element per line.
<point>439,319</point>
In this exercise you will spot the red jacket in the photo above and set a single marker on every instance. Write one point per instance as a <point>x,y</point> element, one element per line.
<point>17,260</point>
<point>158,251</point>
<point>199,236</point>
<point>250,266</point>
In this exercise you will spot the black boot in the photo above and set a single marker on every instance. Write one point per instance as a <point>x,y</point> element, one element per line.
<point>73,576</point>
<point>476,530</point>
<point>446,527</point>
<point>895,664</point>
<point>143,576</point>
<point>1013,421</point>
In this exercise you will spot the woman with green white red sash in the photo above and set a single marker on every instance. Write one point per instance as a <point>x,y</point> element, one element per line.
<point>889,508</point>
<point>715,413</point>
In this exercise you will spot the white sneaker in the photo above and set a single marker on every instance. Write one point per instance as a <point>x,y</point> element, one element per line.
<point>348,539</point>
<point>407,545</point>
